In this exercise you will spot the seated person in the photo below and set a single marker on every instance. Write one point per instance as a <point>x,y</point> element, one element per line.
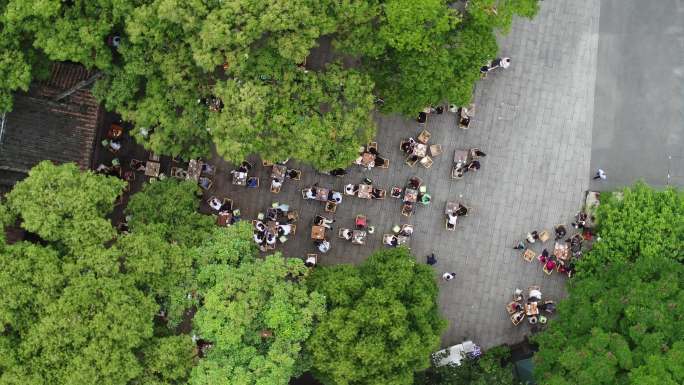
<point>292,174</point>
<point>452,220</point>
<point>258,237</point>
<point>549,307</point>
<point>215,203</point>
<point>245,166</point>
<point>474,165</point>
<point>228,206</point>
<point>347,234</point>
<point>137,165</point>
<point>323,245</point>
<point>422,117</point>
<point>544,256</point>
<point>102,168</point>
<point>406,231</point>
<point>276,183</point>
<point>518,316</point>
<point>372,150</point>
<point>310,261</point>
<point>560,231</point>
<point>252,182</point>
<point>310,194</point>
<point>379,162</point>
<point>425,198</point>
<point>323,221</point>
<point>284,229</point>
<point>408,145</point>
<point>239,173</point>
<point>535,295</point>
<point>464,121</point>
<point>260,226</point>
<point>392,241</point>
<point>439,110</point>
<point>476,153</point>
<point>461,211</point>
<point>334,196</point>
<point>516,306</point>
<point>532,237</point>
<point>377,193</point>
<point>351,189</point>
<point>207,168</point>
<point>270,239</point>
<point>414,183</point>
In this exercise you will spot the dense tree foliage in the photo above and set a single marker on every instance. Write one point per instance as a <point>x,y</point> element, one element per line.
<point>489,369</point>
<point>176,56</point>
<point>640,222</point>
<point>623,322</point>
<point>169,209</point>
<point>257,317</point>
<point>83,314</point>
<point>80,307</point>
<point>382,322</point>
<point>615,324</point>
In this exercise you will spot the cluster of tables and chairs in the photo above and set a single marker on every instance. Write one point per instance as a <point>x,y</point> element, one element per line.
<point>275,226</point>
<point>419,151</point>
<point>400,236</point>
<point>358,235</point>
<point>200,172</point>
<point>365,190</point>
<point>452,211</point>
<point>413,193</point>
<point>533,307</point>
<point>226,214</point>
<point>241,176</point>
<point>465,161</point>
<point>279,173</point>
<point>329,196</point>
<point>562,258</point>
<point>370,158</point>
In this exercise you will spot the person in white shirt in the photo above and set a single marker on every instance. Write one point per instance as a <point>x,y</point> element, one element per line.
<point>448,276</point>
<point>215,203</point>
<point>309,194</point>
<point>323,246</point>
<point>453,218</point>
<point>284,229</point>
<point>347,234</point>
<point>600,174</point>
<point>310,261</point>
<point>276,183</point>
<point>259,225</point>
<point>270,239</point>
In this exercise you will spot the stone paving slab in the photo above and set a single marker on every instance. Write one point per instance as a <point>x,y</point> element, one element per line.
<point>533,120</point>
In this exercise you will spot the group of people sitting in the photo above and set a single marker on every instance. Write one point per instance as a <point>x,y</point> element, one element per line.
<point>323,245</point>
<point>277,183</point>
<point>401,236</point>
<point>333,196</point>
<point>273,228</point>
<point>518,310</point>
<point>241,172</point>
<point>452,217</point>
<point>377,161</point>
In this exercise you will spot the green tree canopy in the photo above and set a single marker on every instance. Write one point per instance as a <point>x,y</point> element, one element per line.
<point>639,222</point>
<point>283,93</point>
<point>84,314</point>
<point>614,324</point>
<point>382,322</point>
<point>488,369</point>
<point>169,209</point>
<point>61,203</point>
<point>257,316</point>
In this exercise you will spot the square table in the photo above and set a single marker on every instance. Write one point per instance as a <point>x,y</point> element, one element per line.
<point>322,194</point>
<point>419,150</point>
<point>365,191</point>
<point>240,181</point>
<point>461,157</point>
<point>450,208</point>
<point>410,195</point>
<point>278,171</point>
<point>317,232</point>
<point>152,169</point>
<point>194,170</point>
<point>224,218</point>
<point>560,250</point>
<point>531,309</point>
<point>358,237</point>
<point>272,227</point>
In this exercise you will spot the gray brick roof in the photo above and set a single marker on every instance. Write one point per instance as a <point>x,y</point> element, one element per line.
<point>39,129</point>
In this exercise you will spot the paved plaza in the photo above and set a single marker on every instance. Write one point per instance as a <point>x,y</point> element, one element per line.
<point>534,120</point>
<point>638,122</point>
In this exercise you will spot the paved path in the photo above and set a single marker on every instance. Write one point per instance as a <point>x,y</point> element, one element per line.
<point>534,120</point>
<point>639,113</point>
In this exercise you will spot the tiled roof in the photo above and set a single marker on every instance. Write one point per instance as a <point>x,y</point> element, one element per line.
<point>39,129</point>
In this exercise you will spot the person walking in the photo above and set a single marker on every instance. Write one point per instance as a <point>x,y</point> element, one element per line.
<point>448,276</point>
<point>431,260</point>
<point>600,174</point>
